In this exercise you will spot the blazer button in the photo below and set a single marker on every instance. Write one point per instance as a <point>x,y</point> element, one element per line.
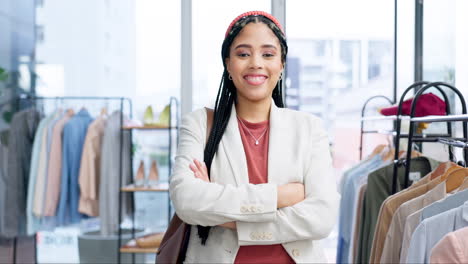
<point>262,236</point>
<point>295,253</point>
<point>243,209</point>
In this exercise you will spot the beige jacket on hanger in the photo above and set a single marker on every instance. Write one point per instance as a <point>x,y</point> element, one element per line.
<point>298,152</point>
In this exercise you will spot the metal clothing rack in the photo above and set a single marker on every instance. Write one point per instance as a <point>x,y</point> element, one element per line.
<point>33,99</point>
<point>414,120</point>
<point>416,138</point>
<point>453,142</point>
<point>362,120</point>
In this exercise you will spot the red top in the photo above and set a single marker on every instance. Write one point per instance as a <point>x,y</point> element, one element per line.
<point>257,164</point>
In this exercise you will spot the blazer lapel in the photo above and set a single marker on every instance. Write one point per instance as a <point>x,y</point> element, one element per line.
<point>275,147</point>
<point>234,150</point>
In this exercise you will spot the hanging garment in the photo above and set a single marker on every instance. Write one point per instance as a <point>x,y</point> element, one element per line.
<point>392,203</point>
<point>453,248</point>
<point>3,174</point>
<point>348,202</point>
<point>41,181</point>
<point>451,202</point>
<point>392,246</point>
<point>432,230</point>
<point>90,168</point>
<point>357,220</point>
<point>74,134</point>
<point>20,142</point>
<point>413,220</point>
<point>379,187</point>
<point>111,167</point>
<point>25,247</point>
<point>54,167</point>
<point>32,220</point>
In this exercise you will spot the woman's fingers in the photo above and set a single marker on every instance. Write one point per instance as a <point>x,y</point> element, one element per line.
<point>205,169</point>
<point>193,168</point>
<point>199,170</point>
<point>201,167</point>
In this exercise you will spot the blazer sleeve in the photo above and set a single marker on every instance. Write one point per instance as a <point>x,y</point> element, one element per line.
<point>208,204</point>
<point>312,218</point>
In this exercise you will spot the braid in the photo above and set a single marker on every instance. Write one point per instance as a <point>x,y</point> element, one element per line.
<point>227,95</point>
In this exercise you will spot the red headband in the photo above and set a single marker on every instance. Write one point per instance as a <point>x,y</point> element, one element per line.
<point>253,13</point>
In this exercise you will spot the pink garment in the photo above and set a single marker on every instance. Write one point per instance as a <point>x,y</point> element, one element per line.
<point>453,248</point>
<point>90,169</point>
<point>41,178</point>
<point>257,165</point>
<point>55,166</point>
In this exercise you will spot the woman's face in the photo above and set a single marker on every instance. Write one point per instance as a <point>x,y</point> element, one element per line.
<point>254,62</point>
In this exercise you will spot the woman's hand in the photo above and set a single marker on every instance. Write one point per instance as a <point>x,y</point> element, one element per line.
<point>290,194</point>
<point>201,172</point>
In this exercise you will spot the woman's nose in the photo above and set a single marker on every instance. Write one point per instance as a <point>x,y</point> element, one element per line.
<point>256,61</point>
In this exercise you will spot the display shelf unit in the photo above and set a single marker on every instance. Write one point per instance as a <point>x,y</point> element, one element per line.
<point>125,249</point>
<point>157,188</point>
<point>172,130</point>
<point>146,127</point>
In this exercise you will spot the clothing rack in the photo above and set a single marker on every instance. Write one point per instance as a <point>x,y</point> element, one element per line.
<point>416,138</point>
<point>452,142</point>
<point>33,99</point>
<point>414,120</point>
<point>362,120</point>
<point>77,98</point>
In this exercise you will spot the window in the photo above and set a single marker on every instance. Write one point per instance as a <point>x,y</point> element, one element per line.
<point>339,56</point>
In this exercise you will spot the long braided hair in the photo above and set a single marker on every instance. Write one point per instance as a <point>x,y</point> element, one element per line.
<point>227,94</point>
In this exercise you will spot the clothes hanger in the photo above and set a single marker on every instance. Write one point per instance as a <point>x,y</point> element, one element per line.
<point>389,154</point>
<point>379,149</point>
<point>104,109</point>
<point>444,168</point>
<point>455,179</point>
<point>103,112</point>
<point>464,185</point>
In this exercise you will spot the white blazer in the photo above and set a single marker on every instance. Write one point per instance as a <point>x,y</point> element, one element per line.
<point>298,152</point>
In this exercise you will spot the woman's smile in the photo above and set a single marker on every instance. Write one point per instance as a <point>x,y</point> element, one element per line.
<point>255,79</point>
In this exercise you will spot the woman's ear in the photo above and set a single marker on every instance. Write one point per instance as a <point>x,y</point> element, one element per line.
<point>226,61</point>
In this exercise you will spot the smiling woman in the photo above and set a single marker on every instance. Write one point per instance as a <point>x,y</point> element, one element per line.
<point>254,64</point>
<point>261,188</point>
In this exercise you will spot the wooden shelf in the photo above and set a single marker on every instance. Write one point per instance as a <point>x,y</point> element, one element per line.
<point>149,127</point>
<point>128,249</point>
<point>157,188</point>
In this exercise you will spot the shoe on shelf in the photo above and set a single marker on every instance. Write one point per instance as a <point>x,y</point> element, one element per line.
<point>140,176</point>
<point>152,240</point>
<point>163,119</point>
<point>148,118</point>
<point>153,178</point>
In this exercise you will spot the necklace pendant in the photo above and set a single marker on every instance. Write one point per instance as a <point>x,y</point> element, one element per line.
<point>256,142</point>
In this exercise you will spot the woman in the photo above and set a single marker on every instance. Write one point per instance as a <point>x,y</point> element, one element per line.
<point>270,191</point>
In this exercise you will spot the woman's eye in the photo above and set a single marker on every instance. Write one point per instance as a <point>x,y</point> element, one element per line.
<point>242,54</point>
<point>268,55</point>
